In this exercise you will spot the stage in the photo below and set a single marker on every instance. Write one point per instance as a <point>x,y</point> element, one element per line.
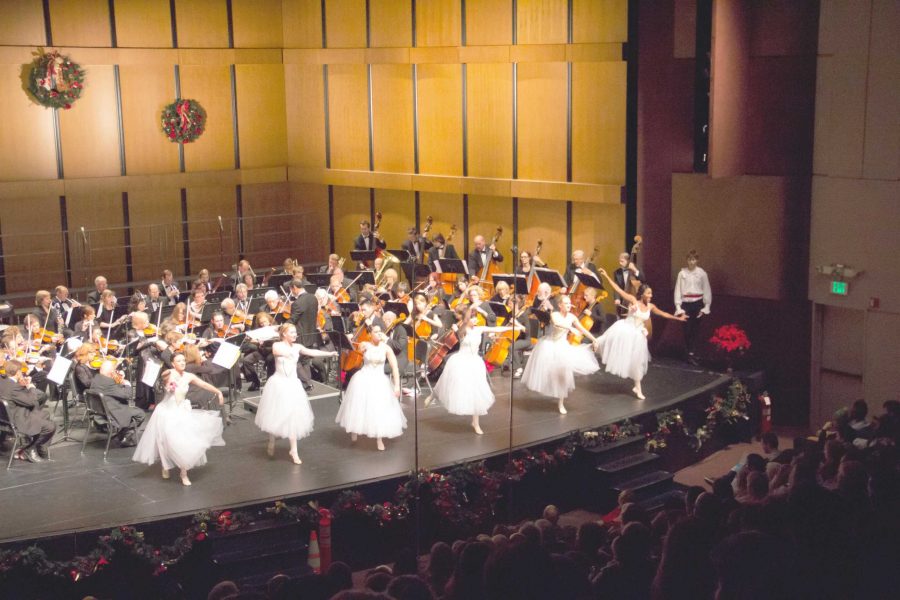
<point>78,492</point>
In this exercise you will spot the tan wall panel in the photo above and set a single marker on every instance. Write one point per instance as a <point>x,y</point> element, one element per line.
<point>440,119</point>
<point>489,119</point>
<point>600,227</point>
<point>311,200</point>
<point>600,21</point>
<point>211,87</point>
<point>145,91</point>
<point>204,206</point>
<point>104,251</point>
<point>489,22</point>
<point>22,23</point>
<point>390,23</point>
<point>201,23</point>
<point>257,23</point>
<point>445,210</point>
<point>89,131</point>
<point>272,230</point>
<point>486,213</point>
<point>302,23</point>
<point>542,21</point>
<point>882,141</point>
<point>348,105</point>
<point>261,115</point>
<point>542,121</point>
<point>80,22</point>
<point>392,117</point>
<point>305,115</point>
<point>27,146</point>
<point>398,211</point>
<point>438,23</point>
<point>32,244</point>
<point>345,22</point>
<point>144,24</point>
<point>156,239</point>
<point>544,220</point>
<point>351,205</point>
<point>598,122</point>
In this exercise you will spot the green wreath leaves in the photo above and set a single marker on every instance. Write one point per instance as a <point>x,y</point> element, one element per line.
<point>183,121</point>
<point>54,80</point>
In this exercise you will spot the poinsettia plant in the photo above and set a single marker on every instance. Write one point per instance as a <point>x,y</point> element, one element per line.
<point>730,338</point>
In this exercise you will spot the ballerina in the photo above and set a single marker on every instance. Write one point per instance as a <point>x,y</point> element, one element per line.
<point>463,387</point>
<point>554,362</point>
<point>623,348</point>
<point>371,404</point>
<point>176,434</point>
<point>284,409</point>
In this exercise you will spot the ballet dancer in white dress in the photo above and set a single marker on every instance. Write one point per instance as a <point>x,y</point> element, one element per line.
<point>371,404</point>
<point>554,362</point>
<point>284,409</point>
<point>463,387</point>
<point>623,348</point>
<point>176,434</point>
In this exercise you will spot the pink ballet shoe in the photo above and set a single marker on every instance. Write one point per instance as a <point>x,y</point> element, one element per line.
<point>295,458</point>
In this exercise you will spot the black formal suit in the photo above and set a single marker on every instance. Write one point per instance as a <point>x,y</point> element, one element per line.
<point>84,375</point>
<point>26,412</point>
<point>477,259</point>
<point>304,311</point>
<point>154,305</point>
<point>360,242</point>
<point>623,279</point>
<point>435,254</point>
<point>424,246</point>
<point>52,322</point>
<point>398,338</point>
<point>122,415</point>
<point>93,297</point>
<point>570,277</point>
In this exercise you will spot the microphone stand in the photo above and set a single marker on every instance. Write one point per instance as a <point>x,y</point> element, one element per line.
<point>512,357</point>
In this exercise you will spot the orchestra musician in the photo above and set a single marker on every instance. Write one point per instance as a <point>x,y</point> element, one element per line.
<point>137,302</point>
<point>333,263</point>
<point>299,272</point>
<point>243,268</point>
<point>127,418</point>
<point>482,255</point>
<point>82,371</point>
<point>527,261</point>
<point>275,306</point>
<point>50,318</point>
<point>26,411</point>
<point>287,267</point>
<point>594,309</point>
<point>203,280</point>
<point>367,239</point>
<point>155,298</point>
<point>106,315</point>
<point>249,281</point>
<point>234,319</point>
<point>254,352</point>
<point>339,282</point>
<point>304,311</point>
<point>440,249</point>
<point>578,263</point>
<point>501,292</point>
<point>389,281</point>
<point>242,298</point>
<point>64,304</point>
<point>397,341</point>
<point>195,307</point>
<point>169,286</point>
<point>416,245</point>
<point>623,277</point>
<point>141,345</point>
<point>86,329</point>
<point>100,285</point>
<point>425,323</point>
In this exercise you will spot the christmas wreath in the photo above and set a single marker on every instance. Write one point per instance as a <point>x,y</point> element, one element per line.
<point>55,81</point>
<point>183,121</point>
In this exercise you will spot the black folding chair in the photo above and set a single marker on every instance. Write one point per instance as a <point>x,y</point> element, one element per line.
<point>98,415</point>
<point>8,427</point>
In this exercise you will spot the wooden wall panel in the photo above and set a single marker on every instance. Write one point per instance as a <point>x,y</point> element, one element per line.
<point>599,21</point>
<point>345,22</point>
<point>146,89</point>
<point>261,115</point>
<point>27,147</point>
<point>600,226</point>
<point>542,21</point>
<point>440,119</point>
<point>598,122</point>
<point>351,205</point>
<point>489,119</point>
<point>398,209</point>
<point>22,23</point>
<point>271,227</point>
<point>544,220</point>
<point>311,200</point>
<point>881,151</point>
<point>89,131</point>
<point>32,244</point>
<point>438,23</point>
<point>390,24</point>
<point>156,239</point>
<point>302,23</point>
<point>392,110</point>
<point>204,206</point>
<point>486,213</point>
<point>80,23</point>
<point>348,104</point>
<point>143,24</point>
<point>446,210</point>
<point>257,23</point>
<point>489,22</point>
<point>201,23</point>
<point>210,86</point>
<point>305,106</point>
<point>102,249</point>
<point>542,121</point>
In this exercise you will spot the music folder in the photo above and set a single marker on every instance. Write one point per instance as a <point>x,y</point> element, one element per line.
<point>500,309</point>
<point>589,279</point>
<point>518,283</point>
<point>550,276</point>
<point>451,265</point>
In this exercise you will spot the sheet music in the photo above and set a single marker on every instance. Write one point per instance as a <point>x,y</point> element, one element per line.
<point>59,370</point>
<point>152,367</point>
<point>227,355</point>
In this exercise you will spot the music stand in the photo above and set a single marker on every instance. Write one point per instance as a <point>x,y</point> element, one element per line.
<point>590,280</point>
<point>550,276</point>
<point>256,305</point>
<point>361,277</point>
<point>363,255</point>
<point>259,292</point>
<point>183,297</point>
<point>451,265</point>
<point>347,308</point>
<point>517,283</point>
<point>217,296</point>
<point>276,281</point>
<point>319,279</point>
<point>208,309</point>
<point>165,313</point>
<point>500,309</point>
<point>401,255</point>
<point>398,308</point>
<point>310,287</point>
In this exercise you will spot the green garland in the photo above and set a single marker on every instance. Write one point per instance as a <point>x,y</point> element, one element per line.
<point>183,121</point>
<point>54,80</point>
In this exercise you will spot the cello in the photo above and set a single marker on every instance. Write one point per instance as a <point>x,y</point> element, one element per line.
<point>448,280</point>
<point>577,295</point>
<point>499,350</point>
<point>352,357</point>
<point>532,280</point>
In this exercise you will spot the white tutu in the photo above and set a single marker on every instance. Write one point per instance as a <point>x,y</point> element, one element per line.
<point>553,364</point>
<point>369,406</point>
<point>463,388</point>
<point>177,435</point>
<point>284,409</point>
<point>623,348</point>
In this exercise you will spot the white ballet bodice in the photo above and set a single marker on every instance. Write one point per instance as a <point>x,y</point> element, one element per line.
<point>638,316</point>
<point>178,396</point>
<point>286,366</point>
<point>558,332</point>
<point>375,355</point>
<point>472,342</point>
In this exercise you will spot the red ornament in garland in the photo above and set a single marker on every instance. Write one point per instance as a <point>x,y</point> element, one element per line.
<point>183,121</point>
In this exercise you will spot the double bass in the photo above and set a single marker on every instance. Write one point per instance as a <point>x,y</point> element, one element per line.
<point>577,294</point>
<point>485,275</point>
<point>633,285</point>
<point>532,280</point>
<point>448,280</point>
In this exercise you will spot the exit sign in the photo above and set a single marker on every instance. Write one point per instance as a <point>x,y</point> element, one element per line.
<point>839,288</point>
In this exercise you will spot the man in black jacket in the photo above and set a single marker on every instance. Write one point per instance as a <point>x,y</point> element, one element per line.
<point>366,240</point>
<point>416,245</point>
<point>24,402</point>
<point>304,310</point>
<point>441,249</point>
<point>482,255</point>
<point>398,339</point>
<point>126,418</point>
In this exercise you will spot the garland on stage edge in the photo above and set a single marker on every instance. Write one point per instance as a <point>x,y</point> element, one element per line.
<point>54,80</point>
<point>183,121</point>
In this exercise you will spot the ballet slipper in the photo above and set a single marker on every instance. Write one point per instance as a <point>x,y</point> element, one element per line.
<point>184,478</point>
<point>165,473</point>
<point>478,430</point>
<point>428,401</point>
<point>270,448</point>
<point>637,392</point>
<point>353,437</point>
<point>562,408</point>
<point>380,444</point>
<point>295,458</point>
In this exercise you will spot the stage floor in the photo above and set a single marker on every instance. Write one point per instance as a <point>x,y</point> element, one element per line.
<point>78,492</point>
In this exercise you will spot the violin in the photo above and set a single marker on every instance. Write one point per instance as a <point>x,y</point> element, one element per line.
<point>46,336</point>
<point>108,344</point>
